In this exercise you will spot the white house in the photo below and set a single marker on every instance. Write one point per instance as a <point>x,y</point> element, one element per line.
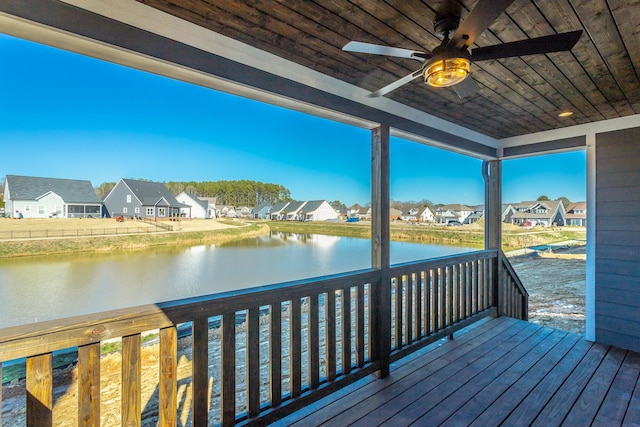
<point>196,208</point>
<point>292,211</point>
<point>426,215</point>
<point>319,210</point>
<point>212,211</point>
<point>35,197</point>
<point>227,211</point>
<point>460,211</point>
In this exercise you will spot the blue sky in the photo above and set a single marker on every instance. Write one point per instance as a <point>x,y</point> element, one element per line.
<point>63,115</point>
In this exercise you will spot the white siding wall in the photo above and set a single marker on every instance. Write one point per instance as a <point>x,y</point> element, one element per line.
<point>323,213</point>
<point>197,211</point>
<point>37,208</point>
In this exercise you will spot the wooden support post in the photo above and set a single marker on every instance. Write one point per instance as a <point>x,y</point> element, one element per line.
<point>492,174</point>
<point>380,256</point>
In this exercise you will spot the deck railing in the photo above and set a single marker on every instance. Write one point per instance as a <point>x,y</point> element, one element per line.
<point>514,301</point>
<point>259,353</point>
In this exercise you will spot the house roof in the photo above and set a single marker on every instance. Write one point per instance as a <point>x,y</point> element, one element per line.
<point>32,188</point>
<point>395,212</point>
<point>294,206</point>
<point>279,207</point>
<point>313,205</point>
<point>151,193</point>
<point>457,207</point>
<point>577,206</point>
<point>266,206</point>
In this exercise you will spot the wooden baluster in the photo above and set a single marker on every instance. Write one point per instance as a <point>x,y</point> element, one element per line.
<point>200,370</point>
<point>314,342</point>
<point>39,390</point>
<point>476,291</point>
<point>469,288</point>
<point>442,284</point>
<point>451,275</point>
<point>330,330</point>
<point>89,385</point>
<point>460,291</point>
<point>131,378</point>
<point>398,312</point>
<point>275,347</point>
<point>228,370</point>
<point>493,271</point>
<point>360,328</point>
<point>428,303</point>
<point>419,281</point>
<point>409,319</point>
<point>464,295</point>
<point>168,387</point>
<point>436,299</point>
<point>0,393</point>
<point>295,351</point>
<point>253,362</point>
<point>481,284</point>
<point>346,330</point>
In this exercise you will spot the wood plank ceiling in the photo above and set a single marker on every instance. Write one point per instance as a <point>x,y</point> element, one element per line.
<point>599,79</point>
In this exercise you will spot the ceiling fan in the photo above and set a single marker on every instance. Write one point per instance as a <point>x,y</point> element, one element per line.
<point>449,63</point>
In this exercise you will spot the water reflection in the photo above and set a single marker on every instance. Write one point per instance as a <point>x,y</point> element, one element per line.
<point>42,288</point>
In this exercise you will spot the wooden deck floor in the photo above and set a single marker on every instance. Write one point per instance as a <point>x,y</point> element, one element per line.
<point>501,372</point>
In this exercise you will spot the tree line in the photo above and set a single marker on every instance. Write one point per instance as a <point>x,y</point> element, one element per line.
<point>236,193</point>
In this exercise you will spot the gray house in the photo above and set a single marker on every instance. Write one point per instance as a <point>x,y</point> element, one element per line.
<point>145,199</point>
<point>35,197</point>
<point>545,213</point>
<point>262,211</point>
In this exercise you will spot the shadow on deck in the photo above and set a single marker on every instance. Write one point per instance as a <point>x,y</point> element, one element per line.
<point>500,371</point>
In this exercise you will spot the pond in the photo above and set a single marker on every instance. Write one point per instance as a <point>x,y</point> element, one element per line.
<point>42,288</point>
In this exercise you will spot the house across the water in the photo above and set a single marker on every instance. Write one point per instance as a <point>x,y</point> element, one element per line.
<point>142,199</point>
<point>36,197</point>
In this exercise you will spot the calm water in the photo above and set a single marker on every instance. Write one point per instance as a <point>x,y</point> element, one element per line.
<point>44,288</point>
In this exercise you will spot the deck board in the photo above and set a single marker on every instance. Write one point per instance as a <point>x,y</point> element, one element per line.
<point>500,371</point>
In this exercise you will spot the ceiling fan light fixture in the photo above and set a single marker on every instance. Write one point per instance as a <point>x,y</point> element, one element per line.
<point>444,72</point>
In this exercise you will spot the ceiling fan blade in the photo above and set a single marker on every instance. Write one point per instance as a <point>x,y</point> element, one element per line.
<point>395,85</point>
<point>376,49</point>
<point>546,44</point>
<point>466,88</point>
<point>478,20</point>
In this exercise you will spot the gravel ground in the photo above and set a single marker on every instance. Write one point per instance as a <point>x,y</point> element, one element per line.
<point>556,290</point>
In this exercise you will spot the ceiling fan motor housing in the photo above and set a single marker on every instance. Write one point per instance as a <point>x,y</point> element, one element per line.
<point>445,25</point>
<point>447,67</point>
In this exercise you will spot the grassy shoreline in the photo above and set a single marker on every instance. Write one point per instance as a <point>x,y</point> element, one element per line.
<point>96,244</point>
<point>513,237</point>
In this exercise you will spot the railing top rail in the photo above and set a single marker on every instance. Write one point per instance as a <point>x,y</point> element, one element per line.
<point>408,267</point>
<point>38,338</point>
